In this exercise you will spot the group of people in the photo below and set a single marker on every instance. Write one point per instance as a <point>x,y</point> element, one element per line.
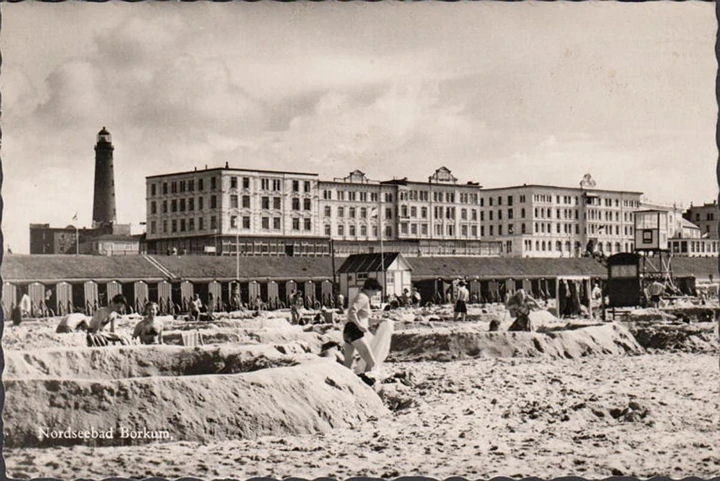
<point>147,331</point>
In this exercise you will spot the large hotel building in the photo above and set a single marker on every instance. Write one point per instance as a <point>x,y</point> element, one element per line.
<point>227,211</point>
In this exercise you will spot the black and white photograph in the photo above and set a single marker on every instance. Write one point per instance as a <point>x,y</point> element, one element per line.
<point>378,239</point>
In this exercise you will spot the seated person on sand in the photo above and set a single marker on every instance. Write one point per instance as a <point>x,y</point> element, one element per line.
<point>102,317</point>
<point>519,305</point>
<point>76,321</point>
<point>149,329</point>
<point>358,324</point>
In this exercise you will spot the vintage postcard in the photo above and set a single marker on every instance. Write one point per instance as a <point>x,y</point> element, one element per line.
<point>324,239</point>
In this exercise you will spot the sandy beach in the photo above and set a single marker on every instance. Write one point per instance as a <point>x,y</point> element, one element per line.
<point>458,409</point>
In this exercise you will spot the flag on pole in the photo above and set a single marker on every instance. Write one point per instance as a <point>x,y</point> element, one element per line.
<point>373,212</point>
<point>75,216</point>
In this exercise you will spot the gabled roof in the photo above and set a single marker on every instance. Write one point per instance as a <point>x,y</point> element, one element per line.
<point>368,262</point>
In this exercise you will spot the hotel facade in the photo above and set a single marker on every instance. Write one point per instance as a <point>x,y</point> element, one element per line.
<point>226,211</point>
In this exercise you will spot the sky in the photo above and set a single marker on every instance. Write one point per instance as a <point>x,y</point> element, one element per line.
<point>501,93</point>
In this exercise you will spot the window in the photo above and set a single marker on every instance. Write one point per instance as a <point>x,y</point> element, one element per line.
<point>341,229</point>
<point>173,205</point>
<point>191,224</point>
<point>213,183</point>
<point>295,203</point>
<point>328,231</point>
<point>201,223</point>
<point>246,182</point>
<point>153,226</point>
<point>277,203</point>
<point>423,212</point>
<point>363,212</point>
<point>351,212</point>
<point>233,201</point>
<point>265,223</point>
<point>307,224</point>
<point>341,211</point>
<point>277,185</point>
<point>510,213</point>
<point>233,221</point>
<point>246,201</point>
<point>307,186</point>
<point>265,202</point>
<point>306,204</point>
<point>296,186</point>
<point>200,203</point>
<point>173,225</point>
<point>296,224</point>
<point>246,222</point>
<point>191,204</point>
<point>153,189</point>
<point>182,186</point>
<point>363,230</point>
<point>276,223</point>
<point>213,201</point>
<point>173,187</point>
<point>265,184</point>
<point>201,185</point>
<point>328,211</point>
<point>213,222</point>
<point>388,213</point>
<point>182,205</point>
<point>191,185</point>
<point>233,182</point>
<point>153,208</point>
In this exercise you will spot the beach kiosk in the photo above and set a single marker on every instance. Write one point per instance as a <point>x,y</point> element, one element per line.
<point>391,270</point>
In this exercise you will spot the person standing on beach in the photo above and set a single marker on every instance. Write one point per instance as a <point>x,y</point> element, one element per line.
<point>195,307</point>
<point>463,295</point>
<point>358,324</point>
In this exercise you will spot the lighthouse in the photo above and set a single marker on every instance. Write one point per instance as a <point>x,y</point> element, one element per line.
<point>104,214</point>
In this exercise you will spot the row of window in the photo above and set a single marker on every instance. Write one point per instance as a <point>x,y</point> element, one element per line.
<point>270,223</point>
<point>694,247</point>
<point>182,225</point>
<point>188,185</point>
<point>560,246</point>
<point>182,186</point>
<point>353,230</point>
<point>188,204</point>
<point>182,205</point>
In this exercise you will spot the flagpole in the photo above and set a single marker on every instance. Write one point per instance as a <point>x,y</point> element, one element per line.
<point>382,249</point>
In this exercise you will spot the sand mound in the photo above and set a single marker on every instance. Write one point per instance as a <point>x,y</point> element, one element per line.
<point>311,398</point>
<point>141,361</point>
<point>700,337</point>
<point>447,344</point>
